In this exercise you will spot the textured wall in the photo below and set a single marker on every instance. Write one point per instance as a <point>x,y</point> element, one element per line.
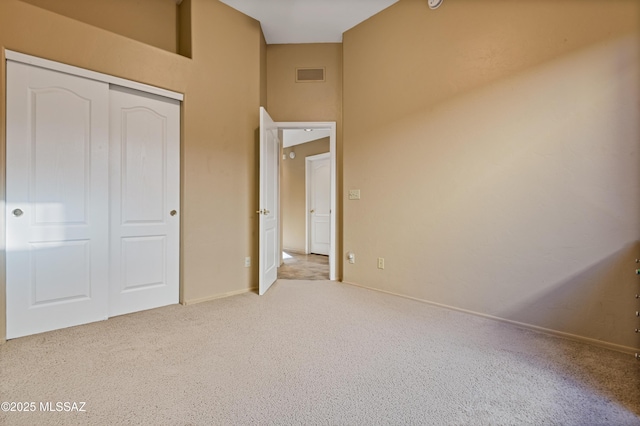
<point>263,70</point>
<point>291,101</point>
<point>221,115</point>
<point>495,145</point>
<point>152,22</point>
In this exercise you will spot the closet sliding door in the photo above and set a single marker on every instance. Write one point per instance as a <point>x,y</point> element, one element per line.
<point>92,200</point>
<point>145,195</point>
<point>57,204</point>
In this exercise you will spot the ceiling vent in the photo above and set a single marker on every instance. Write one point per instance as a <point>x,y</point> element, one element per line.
<point>310,75</point>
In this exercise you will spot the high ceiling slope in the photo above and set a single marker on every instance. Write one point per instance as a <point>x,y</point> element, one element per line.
<point>308,21</point>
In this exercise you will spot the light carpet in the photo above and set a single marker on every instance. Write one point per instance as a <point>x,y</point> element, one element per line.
<point>315,352</point>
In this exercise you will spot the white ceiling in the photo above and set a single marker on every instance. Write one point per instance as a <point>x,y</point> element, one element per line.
<point>308,21</point>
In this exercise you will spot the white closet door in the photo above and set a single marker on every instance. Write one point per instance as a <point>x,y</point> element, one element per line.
<point>145,198</point>
<point>56,200</point>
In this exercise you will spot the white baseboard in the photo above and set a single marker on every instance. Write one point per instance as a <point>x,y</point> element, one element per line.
<point>219,296</point>
<point>569,336</point>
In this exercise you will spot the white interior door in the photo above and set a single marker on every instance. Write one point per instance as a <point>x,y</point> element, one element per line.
<point>319,203</point>
<point>269,202</point>
<point>56,200</point>
<point>145,199</point>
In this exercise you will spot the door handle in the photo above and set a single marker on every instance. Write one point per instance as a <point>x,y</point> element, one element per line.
<point>173,212</point>
<point>17,212</point>
<point>264,212</point>
<point>312,211</point>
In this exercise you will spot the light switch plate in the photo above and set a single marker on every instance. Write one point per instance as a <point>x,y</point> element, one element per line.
<point>354,194</point>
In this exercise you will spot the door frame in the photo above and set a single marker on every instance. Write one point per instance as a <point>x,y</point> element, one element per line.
<point>307,194</point>
<point>331,125</point>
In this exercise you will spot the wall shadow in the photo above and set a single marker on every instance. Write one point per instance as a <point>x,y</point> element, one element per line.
<point>598,301</point>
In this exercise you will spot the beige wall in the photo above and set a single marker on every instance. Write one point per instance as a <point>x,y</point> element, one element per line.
<point>219,116</point>
<point>495,145</point>
<point>291,101</point>
<point>184,28</point>
<point>293,193</point>
<point>263,70</point>
<point>152,22</point>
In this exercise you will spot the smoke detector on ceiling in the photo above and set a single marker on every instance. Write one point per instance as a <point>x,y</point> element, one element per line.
<point>434,4</point>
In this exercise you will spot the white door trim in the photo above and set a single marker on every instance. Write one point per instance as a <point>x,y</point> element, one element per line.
<point>331,125</point>
<point>307,195</point>
<point>92,75</point>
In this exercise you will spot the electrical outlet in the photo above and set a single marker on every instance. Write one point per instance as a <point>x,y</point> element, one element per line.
<point>381,263</point>
<point>354,194</point>
<point>351,257</point>
<point>247,262</point>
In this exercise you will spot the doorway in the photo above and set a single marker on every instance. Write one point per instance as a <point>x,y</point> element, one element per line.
<point>329,129</point>
<point>269,194</point>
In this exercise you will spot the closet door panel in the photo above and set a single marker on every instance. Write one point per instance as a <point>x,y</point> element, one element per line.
<point>144,163</point>
<point>145,185</point>
<point>57,200</point>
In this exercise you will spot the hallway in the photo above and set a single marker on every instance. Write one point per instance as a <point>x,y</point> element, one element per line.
<point>304,267</point>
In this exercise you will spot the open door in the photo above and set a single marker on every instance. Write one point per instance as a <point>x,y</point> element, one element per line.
<point>269,202</point>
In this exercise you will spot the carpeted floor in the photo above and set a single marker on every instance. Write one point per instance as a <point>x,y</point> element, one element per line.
<point>315,352</point>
